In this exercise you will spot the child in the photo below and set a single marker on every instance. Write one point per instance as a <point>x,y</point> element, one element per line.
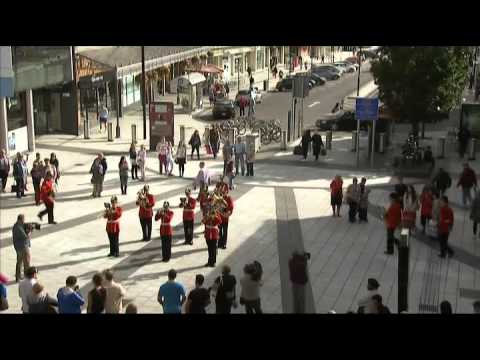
<point>202,176</point>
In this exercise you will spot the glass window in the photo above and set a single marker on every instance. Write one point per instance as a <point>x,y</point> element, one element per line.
<point>16,111</point>
<point>260,59</point>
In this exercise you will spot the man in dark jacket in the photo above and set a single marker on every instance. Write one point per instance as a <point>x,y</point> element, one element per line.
<point>299,278</point>
<point>467,180</point>
<point>306,138</point>
<point>21,243</point>
<point>103,161</point>
<point>317,144</point>
<point>442,181</point>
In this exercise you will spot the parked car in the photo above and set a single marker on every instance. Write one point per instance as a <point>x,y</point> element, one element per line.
<point>339,121</point>
<point>334,68</point>
<point>223,109</point>
<point>326,73</point>
<point>285,84</point>
<point>318,79</point>
<point>349,68</point>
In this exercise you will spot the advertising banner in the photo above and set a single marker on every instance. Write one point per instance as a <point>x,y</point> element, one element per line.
<point>162,123</point>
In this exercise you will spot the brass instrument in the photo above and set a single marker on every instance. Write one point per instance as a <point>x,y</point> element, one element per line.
<point>142,198</point>
<point>217,203</point>
<point>109,211</point>
<point>164,209</point>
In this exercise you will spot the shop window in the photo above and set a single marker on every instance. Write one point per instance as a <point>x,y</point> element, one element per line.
<point>16,111</point>
<point>260,59</point>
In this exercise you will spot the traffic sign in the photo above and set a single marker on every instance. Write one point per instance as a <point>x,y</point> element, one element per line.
<point>366,109</point>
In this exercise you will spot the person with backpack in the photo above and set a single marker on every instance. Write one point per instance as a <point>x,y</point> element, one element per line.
<point>224,291</point>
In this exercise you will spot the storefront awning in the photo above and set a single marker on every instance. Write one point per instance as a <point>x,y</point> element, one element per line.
<point>193,78</point>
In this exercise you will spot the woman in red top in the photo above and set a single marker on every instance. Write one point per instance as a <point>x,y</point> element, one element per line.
<point>166,216</point>
<point>426,201</point>
<point>211,221</point>
<point>445,225</point>
<point>336,190</point>
<point>113,215</point>
<point>47,195</point>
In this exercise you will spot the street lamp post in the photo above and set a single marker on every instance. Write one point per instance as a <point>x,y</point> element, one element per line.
<point>359,69</point>
<point>237,64</point>
<point>143,96</point>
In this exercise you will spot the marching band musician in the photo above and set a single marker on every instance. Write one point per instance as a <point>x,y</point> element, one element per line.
<point>221,186</point>
<point>165,215</point>
<point>203,199</point>
<point>225,215</point>
<point>146,202</point>
<point>47,195</point>
<point>113,214</point>
<point>189,217</point>
<point>211,221</point>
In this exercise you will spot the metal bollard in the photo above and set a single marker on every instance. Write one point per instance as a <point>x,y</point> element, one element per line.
<point>86,129</point>
<point>441,147</point>
<point>283,145</point>
<point>354,140</point>
<point>289,126</point>
<point>110,131</point>
<point>182,133</point>
<point>381,145</point>
<point>471,153</point>
<point>328,140</point>
<point>134,133</point>
<point>403,270</point>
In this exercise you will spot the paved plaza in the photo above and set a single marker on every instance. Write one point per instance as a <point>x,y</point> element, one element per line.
<point>286,206</point>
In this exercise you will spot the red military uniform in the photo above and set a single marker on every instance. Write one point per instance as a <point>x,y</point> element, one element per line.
<point>166,218</point>
<point>211,227</point>
<point>393,216</point>
<point>189,209</point>
<point>147,212</point>
<point>426,199</point>
<point>113,225</point>
<point>446,220</point>
<point>222,187</point>
<point>229,208</point>
<point>46,192</point>
<point>203,199</point>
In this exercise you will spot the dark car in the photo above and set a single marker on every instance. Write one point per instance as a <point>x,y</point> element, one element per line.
<point>223,109</point>
<point>326,73</point>
<point>339,121</point>
<point>285,84</point>
<point>319,80</point>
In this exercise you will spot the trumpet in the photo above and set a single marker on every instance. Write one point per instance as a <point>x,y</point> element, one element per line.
<point>183,202</point>
<point>142,198</point>
<point>108,212</point>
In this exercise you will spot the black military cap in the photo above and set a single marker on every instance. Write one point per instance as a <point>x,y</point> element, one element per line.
<point>373,283</point>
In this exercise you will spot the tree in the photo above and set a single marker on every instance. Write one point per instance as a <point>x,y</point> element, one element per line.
<point>415,81</point>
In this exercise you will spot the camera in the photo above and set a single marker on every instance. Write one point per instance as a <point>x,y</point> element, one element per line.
<point>107,206</point>
<point>29,227</point>
<point>183,202</point>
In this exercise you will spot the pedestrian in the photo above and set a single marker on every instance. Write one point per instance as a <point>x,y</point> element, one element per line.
<point>392,218</point>
<point>47,195</point>
<point>3,293</point>
<point>169,159</point>
<point>365,304</point>
<point>323,59</point>
<point>249,71</point>
<point>468,180</point>
<point>280,75</point>
<point>26,285</point>
<point>171,295</point>
<point>446,308</point>
<point>97,296</point>
<point>4,169</point>
<point>251,100</point>
<point>113,213</point>
<point>103,117</point>
<point>227,153</point>
<point>378,304</point>
<point>426,202</point>
<point>297,266</point>
<point>211,220</point>
<point>336,195</point>
<point>250,158</point>
<point>40,302</point>
<point>54,162</point>
<point>445,225</point>
<point>131,309</point>
<point>464,136</point>
<point>70,300</point>
<point>211,95</point>
<point>274,72</point>
<point>230,174</point>
<point>188,216</point>
<point>145,202</point>
<point>133,160</point>
<point>115,294</point>
<point>37,174</point>
<point>103,161</point>
<point>306,138</point>
<point>49,168</point>
<point>410,207</point>
<point>250,283</point>
<point>363,201</point>
<point>227,89</point>
<point>142,161</point>
<point>214,141</point>
<point>202,178</point>
<point>21,243</point>
<point>225,216</point>
<point>476,307</point>
<point>123,170</point>
<point>442,181</point>
<point>475,212</point>
<point>98,174</point>
<point>400,190</point>
<point>239,152</point>
<point>317,144</point>
<point>428,157</point>
<point>242,103</point>
<point>20,173</point>
<point>199,298</point>
<point>195,142</point>
<point>224,289</point>
<point>181,157</point>
<point>162,155</point>
<point>353,198</point>
<point>165,216</point>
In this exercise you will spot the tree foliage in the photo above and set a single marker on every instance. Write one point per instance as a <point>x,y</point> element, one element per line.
<point>414,81</point>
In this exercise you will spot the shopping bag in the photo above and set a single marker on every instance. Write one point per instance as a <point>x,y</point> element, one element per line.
<point>431,229</point>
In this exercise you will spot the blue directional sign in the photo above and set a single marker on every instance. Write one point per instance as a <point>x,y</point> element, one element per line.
<point>366,109</point>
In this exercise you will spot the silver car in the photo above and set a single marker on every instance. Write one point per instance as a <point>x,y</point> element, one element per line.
<point>349,68</point>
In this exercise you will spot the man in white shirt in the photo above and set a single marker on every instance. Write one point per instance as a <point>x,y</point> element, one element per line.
<point>115,294</point>
<point>25,287</point>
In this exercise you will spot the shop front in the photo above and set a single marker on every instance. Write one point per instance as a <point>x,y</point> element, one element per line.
<point>190,90</point>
